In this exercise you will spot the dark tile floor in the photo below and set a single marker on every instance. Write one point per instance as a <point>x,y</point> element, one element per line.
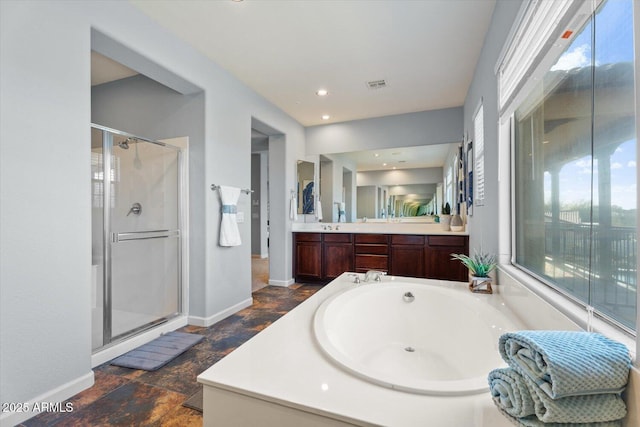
<point>130,397</point>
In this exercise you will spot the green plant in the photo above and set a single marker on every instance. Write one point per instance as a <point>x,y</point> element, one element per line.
<point>446,209</point>
<point>480,264</point>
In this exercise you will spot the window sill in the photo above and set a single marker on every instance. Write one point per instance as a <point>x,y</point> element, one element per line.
<point>568,308</point>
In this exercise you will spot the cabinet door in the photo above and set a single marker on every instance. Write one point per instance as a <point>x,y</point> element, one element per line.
<point>407,255</point>
<point>308,260</point>
<point>338,258</point>
<point>438,262</point>
<point>407,260</point>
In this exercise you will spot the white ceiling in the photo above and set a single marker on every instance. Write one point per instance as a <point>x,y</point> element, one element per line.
<point>286,50</point>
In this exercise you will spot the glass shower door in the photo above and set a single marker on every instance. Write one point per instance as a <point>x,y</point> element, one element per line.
<point>145,237</point>
<point>136,239</point>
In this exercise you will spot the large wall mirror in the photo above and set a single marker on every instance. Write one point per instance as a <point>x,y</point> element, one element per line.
<point>305,173</point>
<point>402,182</point>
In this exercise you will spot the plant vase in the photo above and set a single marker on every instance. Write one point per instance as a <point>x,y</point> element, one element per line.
<point>480,285</point>
<point>445,221</point>
<point>457,223</point>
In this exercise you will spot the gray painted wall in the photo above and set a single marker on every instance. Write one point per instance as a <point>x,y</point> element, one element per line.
<point>367,201</point>
<point>332,183</point>
<point>45,249</point>
<point>404,130</point>
<point>327,189</point>
<point>483,225</point>
<point>400,176</point>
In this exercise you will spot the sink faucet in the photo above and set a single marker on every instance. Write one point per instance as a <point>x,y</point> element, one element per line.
<point>375,274</point>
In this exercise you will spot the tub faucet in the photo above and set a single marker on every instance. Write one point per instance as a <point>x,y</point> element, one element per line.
<point>356,278</point>
<point>375,274</point>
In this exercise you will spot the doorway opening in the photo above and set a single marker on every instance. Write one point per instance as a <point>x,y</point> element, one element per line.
<point>259,210</point>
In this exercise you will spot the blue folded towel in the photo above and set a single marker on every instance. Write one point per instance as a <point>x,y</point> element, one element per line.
<point>519,397</point>
<point>576,409</point>
<point>510,392</point>
<point>532,421</point>
<point>568,363</point>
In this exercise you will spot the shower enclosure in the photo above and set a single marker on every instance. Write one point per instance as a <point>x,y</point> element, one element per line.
<point>135,186</point>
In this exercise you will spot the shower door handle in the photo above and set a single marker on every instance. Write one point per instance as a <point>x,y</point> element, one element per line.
<point>144,235</point>
<point>136,209</point>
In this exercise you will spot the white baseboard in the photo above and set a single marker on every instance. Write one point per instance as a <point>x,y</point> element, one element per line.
<point>119,349</point>
<point>57,395</point>
<point>282,283</point>
<point>208,321</point>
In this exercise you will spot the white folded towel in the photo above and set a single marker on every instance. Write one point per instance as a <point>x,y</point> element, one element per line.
<point>342,212</point>
<point>229,233</point>
<point>293,209</point>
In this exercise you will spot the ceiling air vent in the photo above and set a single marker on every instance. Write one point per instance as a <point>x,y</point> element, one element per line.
<point>377,84</point>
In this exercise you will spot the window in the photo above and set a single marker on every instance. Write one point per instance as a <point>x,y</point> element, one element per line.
<point>575,172</point>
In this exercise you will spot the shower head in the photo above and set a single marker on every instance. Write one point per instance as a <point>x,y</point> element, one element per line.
<point>125,144</point>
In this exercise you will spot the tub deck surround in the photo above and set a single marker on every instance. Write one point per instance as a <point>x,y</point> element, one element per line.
<point>378,227</point>
<point>281,378</point>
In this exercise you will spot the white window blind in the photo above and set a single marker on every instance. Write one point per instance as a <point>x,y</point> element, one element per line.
<point>536,36</point>
<point>478,147</point>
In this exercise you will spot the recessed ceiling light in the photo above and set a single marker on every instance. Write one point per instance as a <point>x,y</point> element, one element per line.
<point>322,92</point>
<point>384,164</point>
<point>376,155</point>
<point>326,117</point>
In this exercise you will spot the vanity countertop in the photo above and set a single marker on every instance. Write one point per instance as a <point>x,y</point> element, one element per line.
<point>374,228</point>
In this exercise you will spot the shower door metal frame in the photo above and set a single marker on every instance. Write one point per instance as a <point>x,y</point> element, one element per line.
<point>109,238</point>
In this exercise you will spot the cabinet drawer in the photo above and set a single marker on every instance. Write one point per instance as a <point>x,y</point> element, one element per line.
<point>308,237</point>
<point>338,238</point>
<point>372,238</point>
<point>447,240</point>
<point>372,262</point>
<point>372,249</point>
<point>407,239</point>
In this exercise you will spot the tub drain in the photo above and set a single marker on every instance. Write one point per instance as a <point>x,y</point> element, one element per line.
<point>409,349</point>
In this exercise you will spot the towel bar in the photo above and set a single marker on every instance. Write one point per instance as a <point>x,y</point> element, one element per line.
<point>214,187</point>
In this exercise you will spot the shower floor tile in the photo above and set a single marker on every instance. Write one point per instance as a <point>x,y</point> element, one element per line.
<point>122,396</point>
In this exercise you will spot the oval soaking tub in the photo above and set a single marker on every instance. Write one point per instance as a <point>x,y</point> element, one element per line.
<point>435,339</point>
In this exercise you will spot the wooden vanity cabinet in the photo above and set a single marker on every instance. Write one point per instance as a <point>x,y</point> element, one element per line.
<point>407,255</point>
<point>307,260</point>
<point>321,257</point>
<point>371,252</point>
<point>337,251</point>
<point>438,262</point>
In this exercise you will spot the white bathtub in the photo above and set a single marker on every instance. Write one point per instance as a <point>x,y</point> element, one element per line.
<point>281,377</point>
<point>439,342</point>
